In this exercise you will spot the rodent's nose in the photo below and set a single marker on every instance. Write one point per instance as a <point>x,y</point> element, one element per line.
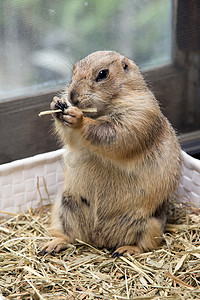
<point>72,98</point>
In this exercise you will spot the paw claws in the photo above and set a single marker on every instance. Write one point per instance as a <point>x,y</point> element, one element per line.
<point>58,103</point>
<point>116,254</point>
<point>53,247</point>
<point>126,250</point>
<point>42,252</point>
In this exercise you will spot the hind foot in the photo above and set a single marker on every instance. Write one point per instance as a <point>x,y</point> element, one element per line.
<point>54,246</point>
<point>125,250</point>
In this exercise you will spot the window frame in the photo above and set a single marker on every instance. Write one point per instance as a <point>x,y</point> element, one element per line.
<point>24,134</point>
<point>181,77</point>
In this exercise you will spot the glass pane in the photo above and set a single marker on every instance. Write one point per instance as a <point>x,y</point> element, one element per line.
<point>41,39</point>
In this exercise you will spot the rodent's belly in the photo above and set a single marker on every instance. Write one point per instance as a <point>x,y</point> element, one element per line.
<point>109,207</point>
<point>104,186</point>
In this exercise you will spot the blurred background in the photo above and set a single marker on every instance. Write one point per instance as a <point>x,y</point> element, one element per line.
<point>40,41</point>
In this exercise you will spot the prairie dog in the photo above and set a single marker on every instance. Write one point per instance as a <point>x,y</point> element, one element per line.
<point>126,159</point>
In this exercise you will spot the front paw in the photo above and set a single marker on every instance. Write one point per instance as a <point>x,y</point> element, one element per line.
<point>73,117</point>
<point>58,103</point>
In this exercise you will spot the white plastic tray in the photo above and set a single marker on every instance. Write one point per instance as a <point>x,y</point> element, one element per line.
<point>189,188</point>
<point>25,182</point>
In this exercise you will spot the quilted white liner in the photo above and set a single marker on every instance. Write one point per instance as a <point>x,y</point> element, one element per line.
<point>189,188</point>
<point>22,182</point>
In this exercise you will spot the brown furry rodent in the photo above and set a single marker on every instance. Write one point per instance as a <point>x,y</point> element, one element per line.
<point>126,159</point>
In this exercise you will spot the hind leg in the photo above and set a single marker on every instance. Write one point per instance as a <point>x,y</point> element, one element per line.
<point>59,229</point>
<point>67,223</point>
<point>60,242</point>
<point>150,238</point>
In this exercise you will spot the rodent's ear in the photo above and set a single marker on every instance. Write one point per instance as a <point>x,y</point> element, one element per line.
<point>125,64</point>
<point>74,67</point>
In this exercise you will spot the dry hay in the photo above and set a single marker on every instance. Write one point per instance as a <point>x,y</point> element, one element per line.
<point>83,272</point>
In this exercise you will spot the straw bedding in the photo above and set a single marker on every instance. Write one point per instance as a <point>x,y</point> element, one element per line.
<point>83,272</point>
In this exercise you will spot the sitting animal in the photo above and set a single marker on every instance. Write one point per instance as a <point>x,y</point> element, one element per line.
<point>122,161</point>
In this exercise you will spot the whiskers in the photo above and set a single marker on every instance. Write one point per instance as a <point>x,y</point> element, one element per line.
<point>90,100</point>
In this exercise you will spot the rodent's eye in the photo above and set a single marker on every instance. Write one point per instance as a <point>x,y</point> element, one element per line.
<point>103,74</point>
<point>124,66</point>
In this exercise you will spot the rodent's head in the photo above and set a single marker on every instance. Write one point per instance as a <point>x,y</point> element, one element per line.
<point>103,77</point>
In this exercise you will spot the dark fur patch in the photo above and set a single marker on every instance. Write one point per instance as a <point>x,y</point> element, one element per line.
<point>155,131</point>
<point>102,133</point>
<point>68,202</point>
<point>70,207</point>
<point>85,201</point>
<point>65,226</point>
<point>160,213</point>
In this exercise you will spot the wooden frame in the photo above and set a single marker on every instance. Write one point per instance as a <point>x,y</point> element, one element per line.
<point>177,86</point>
<point>23,133</point>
